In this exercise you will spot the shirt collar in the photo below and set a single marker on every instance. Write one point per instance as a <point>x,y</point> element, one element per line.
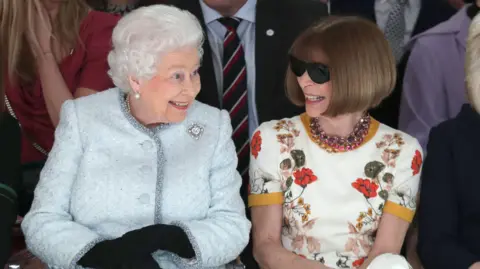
<point>246,12</point>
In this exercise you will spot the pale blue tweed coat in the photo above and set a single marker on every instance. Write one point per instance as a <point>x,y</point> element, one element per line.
<point>107,175</point>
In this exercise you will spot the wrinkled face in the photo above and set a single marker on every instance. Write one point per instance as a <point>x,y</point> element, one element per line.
<point>314,80</point>
<point>173,89</point>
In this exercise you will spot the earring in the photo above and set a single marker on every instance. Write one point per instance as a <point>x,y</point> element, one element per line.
<point>136,95</point>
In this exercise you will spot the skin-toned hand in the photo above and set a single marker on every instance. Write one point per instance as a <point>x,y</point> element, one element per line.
<point>40,35</point>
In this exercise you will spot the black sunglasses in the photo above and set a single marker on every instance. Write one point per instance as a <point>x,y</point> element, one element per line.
<point>318,72</point>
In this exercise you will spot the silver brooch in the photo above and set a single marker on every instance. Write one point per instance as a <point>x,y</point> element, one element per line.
<point>195,131</point>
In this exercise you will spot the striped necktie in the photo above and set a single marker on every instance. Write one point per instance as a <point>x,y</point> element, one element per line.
<point>395,28</point>
<point>235,91</point>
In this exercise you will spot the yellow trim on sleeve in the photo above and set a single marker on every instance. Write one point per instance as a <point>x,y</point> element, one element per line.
<point>399,211</point>
<point>275,198</point>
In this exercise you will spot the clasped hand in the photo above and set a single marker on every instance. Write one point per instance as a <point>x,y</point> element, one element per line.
<point>128,251</point>
<point>134,249</point>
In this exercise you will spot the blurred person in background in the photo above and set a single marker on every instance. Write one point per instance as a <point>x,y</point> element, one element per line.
<point>434,82</point>
<point>448,217</point>
<point>55,51</point>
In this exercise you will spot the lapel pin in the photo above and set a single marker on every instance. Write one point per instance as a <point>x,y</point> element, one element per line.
<point>270,32</point>
<point>195,131</point>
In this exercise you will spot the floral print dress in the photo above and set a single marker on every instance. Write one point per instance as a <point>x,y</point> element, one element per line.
<point>333,202</point>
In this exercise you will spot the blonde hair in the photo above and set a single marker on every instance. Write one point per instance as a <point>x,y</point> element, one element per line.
<point>16,18</point>
<point>472,64</point>
<point>362,68</point>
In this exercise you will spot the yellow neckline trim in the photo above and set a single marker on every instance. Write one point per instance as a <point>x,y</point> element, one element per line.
<point>372,130</point>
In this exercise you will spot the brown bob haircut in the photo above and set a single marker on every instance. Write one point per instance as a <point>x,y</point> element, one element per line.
<point>361,64</point>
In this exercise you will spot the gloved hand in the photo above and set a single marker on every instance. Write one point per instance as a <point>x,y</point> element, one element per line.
<point>136,245</point>
<point>115,254</point>
<point>161,237</point>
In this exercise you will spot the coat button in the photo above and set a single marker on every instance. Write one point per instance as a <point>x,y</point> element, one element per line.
<point>144,198</point>
<point>145,169</point>
<point>146,145</point>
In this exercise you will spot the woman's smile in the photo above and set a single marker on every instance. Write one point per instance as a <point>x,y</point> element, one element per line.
<point>180,105</point>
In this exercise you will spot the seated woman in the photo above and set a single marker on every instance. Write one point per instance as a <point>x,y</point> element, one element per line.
<point>43,72</point>
<point>142,175</point>
<point>449,202</point>
<point>333,187</point>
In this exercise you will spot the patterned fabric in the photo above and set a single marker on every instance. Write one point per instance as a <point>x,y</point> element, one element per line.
<point>395,28</point>
<point>333,203</point>
<point>235,95</point>
<point>120,9</point>
<point>107,175</point>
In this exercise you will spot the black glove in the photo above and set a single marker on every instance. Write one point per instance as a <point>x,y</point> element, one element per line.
<point>112,254</point>
<point>161,237</point>
<point>135,245</point>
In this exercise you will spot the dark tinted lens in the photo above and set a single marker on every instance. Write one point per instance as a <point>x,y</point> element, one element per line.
<point>318,73</point>
<point>298,67</point>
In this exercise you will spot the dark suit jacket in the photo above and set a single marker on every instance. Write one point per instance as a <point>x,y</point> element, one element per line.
<point>287,18</point>
<point>431,13</point>
<point>9,179</point>
<point>449,209</point>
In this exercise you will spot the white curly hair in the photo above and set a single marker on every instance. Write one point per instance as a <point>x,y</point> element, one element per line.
<point>472,63</point>
<point>144,35</point>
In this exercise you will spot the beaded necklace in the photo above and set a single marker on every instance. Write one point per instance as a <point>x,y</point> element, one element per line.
<point>334,143</point>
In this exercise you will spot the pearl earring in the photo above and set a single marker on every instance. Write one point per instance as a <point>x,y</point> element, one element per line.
<point>136,95</point>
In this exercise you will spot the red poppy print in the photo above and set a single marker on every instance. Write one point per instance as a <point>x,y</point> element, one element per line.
<point>358,262</point>
<point>417,162</point>
<point>367,187</point>
<point>304,176</point>
<point>256,144</point>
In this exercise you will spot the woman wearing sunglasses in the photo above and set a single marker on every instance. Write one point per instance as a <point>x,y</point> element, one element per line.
<point>333,187</point>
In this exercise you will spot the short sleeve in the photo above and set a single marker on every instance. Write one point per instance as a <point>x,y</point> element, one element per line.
<point>402,197</point>
<point>94,72</point>
<point>265,180</point>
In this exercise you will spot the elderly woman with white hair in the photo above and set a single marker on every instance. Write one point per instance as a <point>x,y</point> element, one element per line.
<point>142,175</point>
<point>448,218</point>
